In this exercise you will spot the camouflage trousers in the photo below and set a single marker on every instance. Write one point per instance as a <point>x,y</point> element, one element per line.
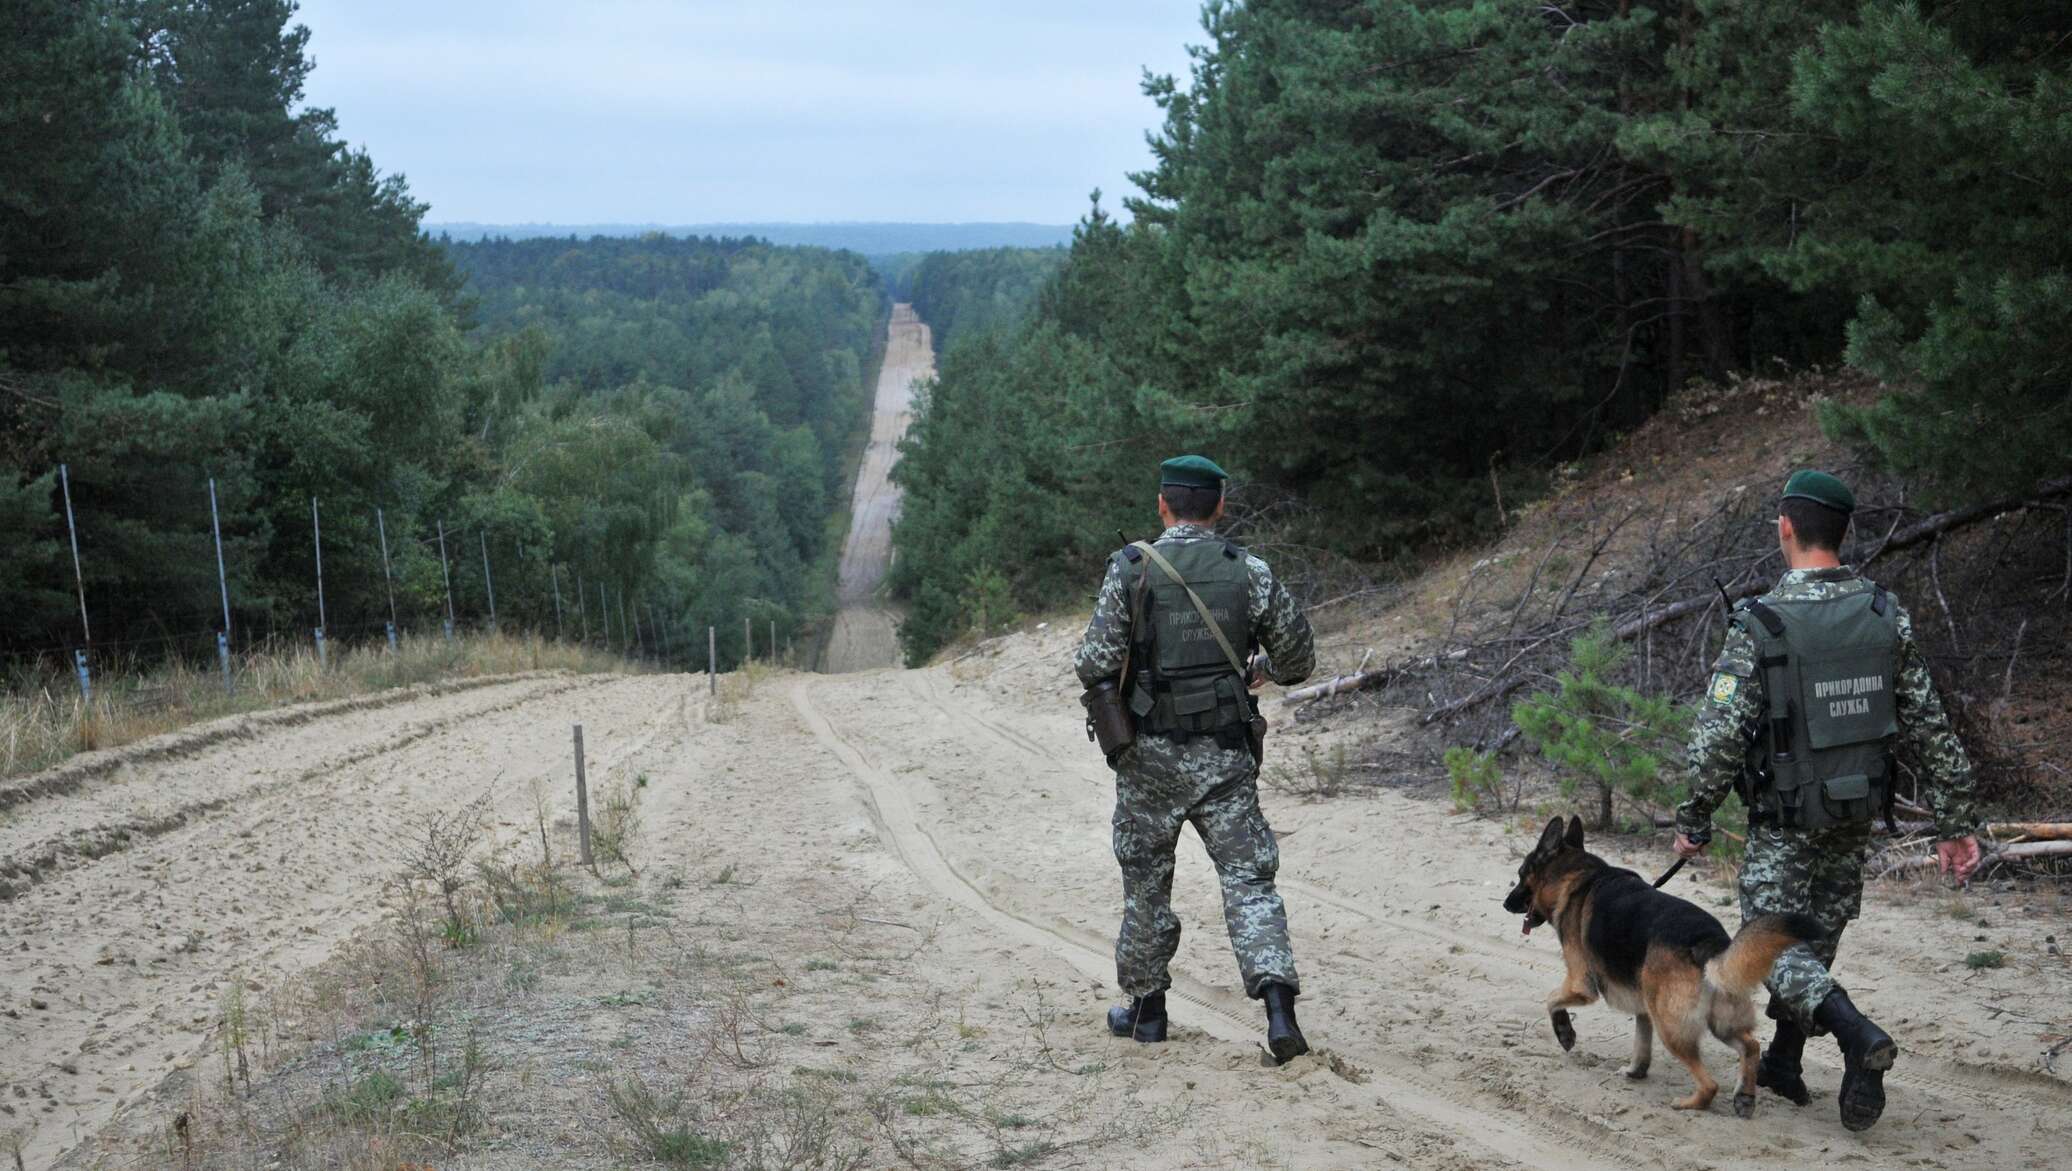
<point>1813,872</point>
<point>1160,786</point>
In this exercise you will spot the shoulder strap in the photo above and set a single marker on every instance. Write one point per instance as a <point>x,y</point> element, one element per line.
<point>1765,615</point>
<point>1229,652</point>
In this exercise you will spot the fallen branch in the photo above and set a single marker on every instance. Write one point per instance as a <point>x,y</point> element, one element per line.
<point>2040,831</point>
<point>1361,680</point>
<point>1955,518</point>
<point>2018,852</point>
<point>1683,609</point>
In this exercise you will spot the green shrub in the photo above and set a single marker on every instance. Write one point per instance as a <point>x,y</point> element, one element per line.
<point>1592,729</point>
<point>1478,783</point>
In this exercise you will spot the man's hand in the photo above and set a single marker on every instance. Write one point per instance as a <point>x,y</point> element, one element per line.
<point>1257,679</point>
<point>1686,848</point>
<point>1959,857</point>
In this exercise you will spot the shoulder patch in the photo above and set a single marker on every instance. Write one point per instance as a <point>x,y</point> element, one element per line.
<point>1725,687</point>
<point>1132,553</point>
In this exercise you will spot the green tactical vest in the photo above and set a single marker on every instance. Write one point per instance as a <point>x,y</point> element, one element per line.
<point>1828,677</point>
<point>1188,687</point>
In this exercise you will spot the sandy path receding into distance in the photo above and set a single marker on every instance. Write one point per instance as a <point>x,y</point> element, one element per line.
<point>865,633</point>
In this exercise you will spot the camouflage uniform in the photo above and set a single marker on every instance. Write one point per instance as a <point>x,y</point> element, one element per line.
<point>1816,872</point>
<point>1161,784</point>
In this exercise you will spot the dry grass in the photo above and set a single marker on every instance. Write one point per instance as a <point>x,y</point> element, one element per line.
<point>43,721</point>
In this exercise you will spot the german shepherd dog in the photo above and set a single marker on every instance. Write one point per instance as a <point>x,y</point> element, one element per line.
<point>1654,955</point>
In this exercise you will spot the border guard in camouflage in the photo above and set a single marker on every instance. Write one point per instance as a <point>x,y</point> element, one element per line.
<point>1817,680</point>
<point>1175,626</point>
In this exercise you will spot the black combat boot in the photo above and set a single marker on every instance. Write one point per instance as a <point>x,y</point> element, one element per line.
<point>1866,1054</point>
<point>1143,1018</point>
<point>1283,1035</point>
<point>1780,1072</point>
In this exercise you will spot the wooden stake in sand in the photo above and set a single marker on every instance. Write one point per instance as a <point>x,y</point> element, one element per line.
<point>582,800</point>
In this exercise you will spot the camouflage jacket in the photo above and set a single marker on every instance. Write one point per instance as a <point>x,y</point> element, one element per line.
<point>1730,716</point>
<point>1278,624</point>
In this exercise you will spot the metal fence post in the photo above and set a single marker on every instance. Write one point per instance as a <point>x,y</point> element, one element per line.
<point>636,625</point>
<point>488,582</point>
<point>582,608</point>
<point>712,658</point>
<point>388,576</point>
<point>86,688</point>
<point>604,615</point>
<point>446,575</point>
<point>773,640</point>
<point>316,523</point>
<point>222,584</point>
<point>625,639</point>
<point>747,641</point>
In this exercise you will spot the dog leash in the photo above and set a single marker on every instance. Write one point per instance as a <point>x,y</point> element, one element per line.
<point>1670,873</point>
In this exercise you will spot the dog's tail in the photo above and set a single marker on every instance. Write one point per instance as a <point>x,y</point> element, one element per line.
<point>1746,963</point>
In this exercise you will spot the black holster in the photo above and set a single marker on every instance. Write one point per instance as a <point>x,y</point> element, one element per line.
<point>1109,722</point>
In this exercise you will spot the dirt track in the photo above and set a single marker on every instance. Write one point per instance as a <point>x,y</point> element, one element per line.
<point>866,630</point>
<point>964,800</point>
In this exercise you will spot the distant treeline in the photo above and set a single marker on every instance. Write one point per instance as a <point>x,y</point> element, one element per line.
<point>1391,251</point>
<point>970,292</point>
<point>871,239</point>
<point>199,281</point>
<point>700,396</point>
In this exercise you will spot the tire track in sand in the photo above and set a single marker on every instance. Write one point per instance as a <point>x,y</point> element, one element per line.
<point>1450,1112</point>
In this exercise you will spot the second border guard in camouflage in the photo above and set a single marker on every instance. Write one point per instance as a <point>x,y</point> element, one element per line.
<point>1817,680</point>
<point>1170,645</point>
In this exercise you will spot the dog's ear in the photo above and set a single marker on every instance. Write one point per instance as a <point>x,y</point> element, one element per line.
<point>1550,841</point>
<point>1575,833</point>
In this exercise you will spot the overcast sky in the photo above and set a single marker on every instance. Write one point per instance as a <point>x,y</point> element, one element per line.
<point>618,111</point>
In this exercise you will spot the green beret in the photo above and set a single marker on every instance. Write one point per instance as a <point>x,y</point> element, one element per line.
<point>1820,488</point>
<point>1191,471</point>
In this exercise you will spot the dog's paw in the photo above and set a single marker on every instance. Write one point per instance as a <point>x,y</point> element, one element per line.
<point>1744,1105</point>
<point>1564,1032</point>
<point>1636,1072</point>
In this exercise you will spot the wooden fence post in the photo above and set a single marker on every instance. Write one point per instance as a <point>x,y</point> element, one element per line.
<point>582,800</point>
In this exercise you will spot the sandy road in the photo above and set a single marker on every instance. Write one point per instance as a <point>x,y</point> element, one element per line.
<point>1415,977</point>
<point>963,801</point>
<point>865,633</point>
